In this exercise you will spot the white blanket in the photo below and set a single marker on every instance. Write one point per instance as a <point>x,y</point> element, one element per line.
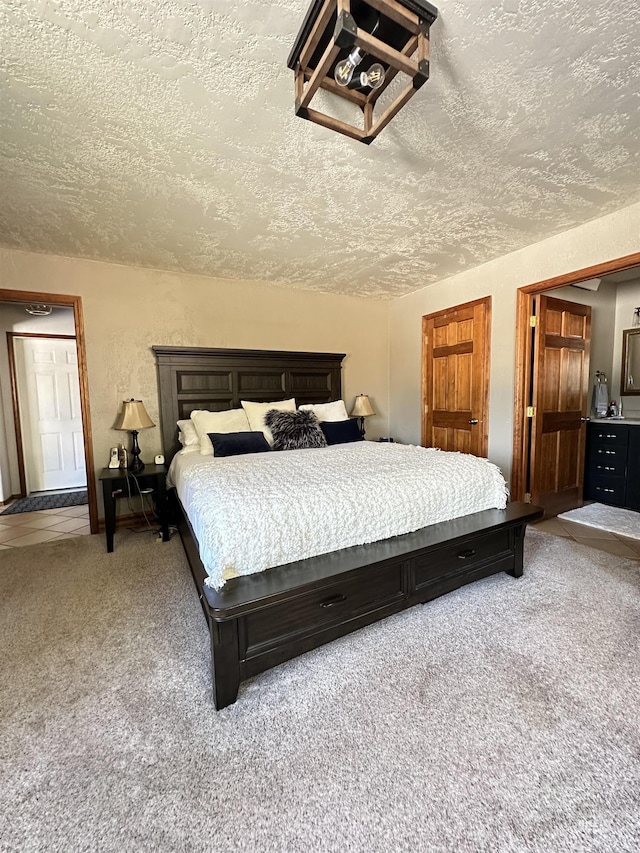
<point>259,510</point>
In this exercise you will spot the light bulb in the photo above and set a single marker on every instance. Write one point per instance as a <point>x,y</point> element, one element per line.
<point>374,77</point>
<point>344,69</point>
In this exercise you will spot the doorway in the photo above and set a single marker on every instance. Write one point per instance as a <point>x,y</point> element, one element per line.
<point>86,450</point>
<point>525,467</point>
<point>46,387</point>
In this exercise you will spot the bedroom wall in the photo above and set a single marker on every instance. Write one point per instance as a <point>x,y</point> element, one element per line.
<point>598,241</point>
<point>128,310</point>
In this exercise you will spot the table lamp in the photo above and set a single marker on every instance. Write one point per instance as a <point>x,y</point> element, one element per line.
<point>134,417</point>
<point>362,409</point>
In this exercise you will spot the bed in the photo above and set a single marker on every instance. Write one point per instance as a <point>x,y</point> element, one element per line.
<point>259,620</point>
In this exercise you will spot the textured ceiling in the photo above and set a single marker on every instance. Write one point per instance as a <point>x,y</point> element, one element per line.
<point>162,134</point>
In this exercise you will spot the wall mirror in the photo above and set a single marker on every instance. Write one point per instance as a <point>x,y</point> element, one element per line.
<point>630,362</point>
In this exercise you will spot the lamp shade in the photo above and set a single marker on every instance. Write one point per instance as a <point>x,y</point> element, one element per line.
<point>362,407</point>
<point>133,416</point>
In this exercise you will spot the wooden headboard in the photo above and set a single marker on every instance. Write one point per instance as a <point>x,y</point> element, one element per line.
<point>217,379</point>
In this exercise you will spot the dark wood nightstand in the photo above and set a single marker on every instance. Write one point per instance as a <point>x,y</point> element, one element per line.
<point>119,482</point>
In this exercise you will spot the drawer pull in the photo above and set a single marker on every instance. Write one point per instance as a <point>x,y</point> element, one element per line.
<point>464,555</point>
<point>603,435</point>
<point>605,468</point>
<point>333,601</point>
<point>608,452</point>
<point>600,489</point>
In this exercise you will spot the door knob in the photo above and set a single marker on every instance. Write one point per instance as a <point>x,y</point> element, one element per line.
<point>473,421</point>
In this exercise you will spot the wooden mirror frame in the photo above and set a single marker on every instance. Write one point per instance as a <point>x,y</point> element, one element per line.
<point>627,335</point>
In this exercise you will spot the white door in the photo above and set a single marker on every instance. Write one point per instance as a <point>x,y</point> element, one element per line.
<point>50,415</point>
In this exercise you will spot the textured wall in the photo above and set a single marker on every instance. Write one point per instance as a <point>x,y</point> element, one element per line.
<point>602,240</point>
<point>128,310</point>
<point>162,135</point>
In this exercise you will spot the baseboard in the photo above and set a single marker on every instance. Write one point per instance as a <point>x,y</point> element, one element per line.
<point>10,499</point>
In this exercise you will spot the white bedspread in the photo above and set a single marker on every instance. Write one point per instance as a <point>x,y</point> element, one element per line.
<point>255,511</point>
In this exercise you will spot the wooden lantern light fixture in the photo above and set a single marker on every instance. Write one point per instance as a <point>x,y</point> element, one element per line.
<point>354,49</point>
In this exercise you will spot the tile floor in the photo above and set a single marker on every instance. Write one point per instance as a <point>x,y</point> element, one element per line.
<point>621,546</point>
<point>32,528</point>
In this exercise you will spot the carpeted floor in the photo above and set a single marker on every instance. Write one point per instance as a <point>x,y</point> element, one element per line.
<point>55,500</point>
<point>624,522</point>
<point>502,717</point>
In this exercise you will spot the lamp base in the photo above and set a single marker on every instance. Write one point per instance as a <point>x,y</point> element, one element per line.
<point>136,464</point>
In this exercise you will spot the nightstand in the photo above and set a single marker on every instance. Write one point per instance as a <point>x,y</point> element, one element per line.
<point>119,483</point>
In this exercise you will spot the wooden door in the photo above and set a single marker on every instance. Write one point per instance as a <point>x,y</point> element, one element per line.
<point>560,390</point>
<point>455,378</point>
<point>50,414</point>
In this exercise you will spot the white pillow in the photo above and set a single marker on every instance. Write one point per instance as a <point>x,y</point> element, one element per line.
<point>230,420</point>
<point>187,450</point>
<point>257,411</point>
<point>336,411</point>
<point>188,436</point>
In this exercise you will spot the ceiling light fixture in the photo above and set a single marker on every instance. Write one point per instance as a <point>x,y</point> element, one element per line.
<point>39,310</point>
<point>338,36</point>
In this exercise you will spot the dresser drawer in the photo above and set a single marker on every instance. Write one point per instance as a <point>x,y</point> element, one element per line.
<point>460,559</point>
<point>608,464</point>
<point>609,490</point>
<point>605,434</point>
<point>312,611</point>
<point>608,454</point>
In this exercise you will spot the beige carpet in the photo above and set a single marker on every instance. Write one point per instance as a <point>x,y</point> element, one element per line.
<point>502,717</point>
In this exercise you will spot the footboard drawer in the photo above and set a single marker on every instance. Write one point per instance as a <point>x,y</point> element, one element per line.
<point>328,605</point>
<point>461,559</point>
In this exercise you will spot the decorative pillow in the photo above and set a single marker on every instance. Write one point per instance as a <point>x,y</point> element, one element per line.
<point>294,430</point>
<point>188,437</point>
<point>341,432</point>
<point>235,443</point>
<point>336,411</point>
<point>229,420</point>
<point>257,411</point>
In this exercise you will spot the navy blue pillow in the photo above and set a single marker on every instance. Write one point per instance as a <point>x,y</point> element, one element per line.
<point>235,443</point>
<point>341,432</point>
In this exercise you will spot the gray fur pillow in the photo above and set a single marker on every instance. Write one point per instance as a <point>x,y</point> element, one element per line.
<point>294,430</point>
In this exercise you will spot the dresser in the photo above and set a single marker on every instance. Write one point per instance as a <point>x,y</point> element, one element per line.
<point>612,469</point>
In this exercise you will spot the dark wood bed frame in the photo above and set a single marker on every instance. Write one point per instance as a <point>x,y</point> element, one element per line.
<point>259,621</point>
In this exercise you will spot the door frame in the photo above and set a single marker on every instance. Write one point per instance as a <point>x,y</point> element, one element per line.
<point>15,396</point>
<point>524,308</point>
<point>74,302</point>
